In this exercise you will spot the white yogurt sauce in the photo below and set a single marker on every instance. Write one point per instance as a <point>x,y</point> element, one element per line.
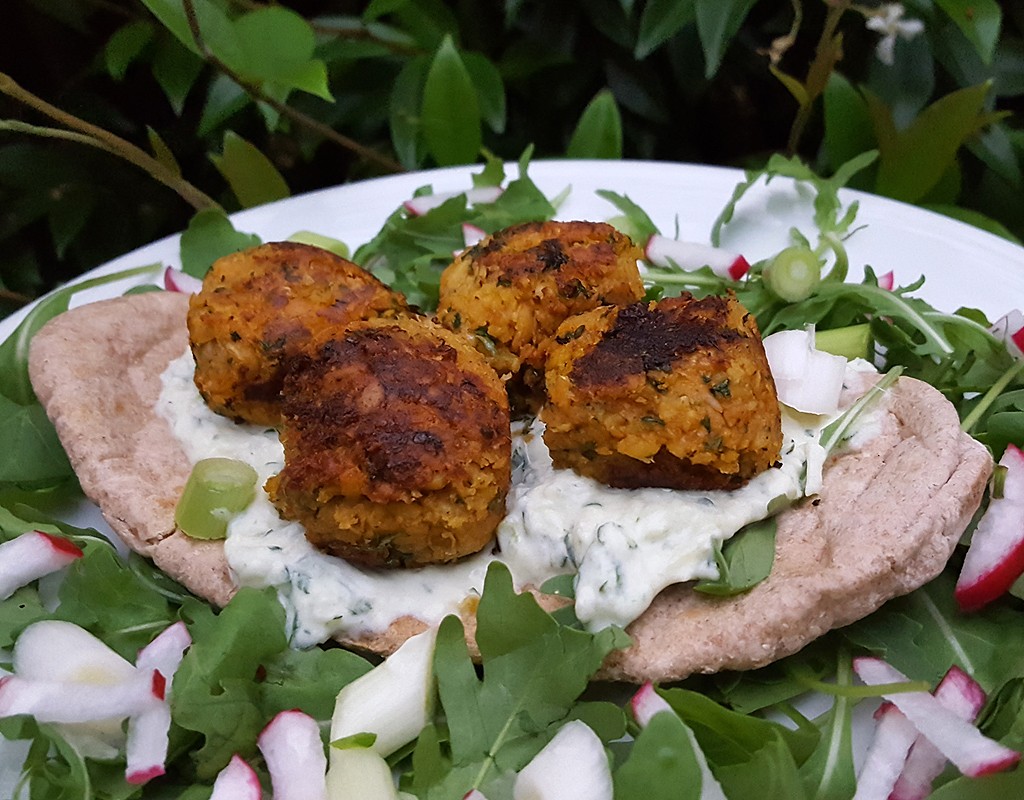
<point>624,544</point>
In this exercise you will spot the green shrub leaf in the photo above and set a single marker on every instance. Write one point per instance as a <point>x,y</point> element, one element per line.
<point>598,134</point>
<point>660,21</point>
<point>126,45</point>
<point>717,23</point>
<point>980,21</point>
<point>249,173</point>
<point>451,110</point>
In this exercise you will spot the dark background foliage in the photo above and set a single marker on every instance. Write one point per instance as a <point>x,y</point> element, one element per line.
<point>249,101</point>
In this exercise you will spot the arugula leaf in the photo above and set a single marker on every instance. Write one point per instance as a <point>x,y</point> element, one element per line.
<point>662,764</point>
<point>533,671</point>
<point>409,252</point>
<point>634,221</point>
<point>923,633</point>
<point>744,560</point>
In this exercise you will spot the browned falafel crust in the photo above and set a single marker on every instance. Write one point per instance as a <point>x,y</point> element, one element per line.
<point>262,306</point>
<point>397,445</point>
<point>676,394</point>
<point>515,288</point>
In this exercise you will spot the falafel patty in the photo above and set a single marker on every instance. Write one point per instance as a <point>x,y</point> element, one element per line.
<point>397,445</point>
<point>261,306</point>
<point>514,289</point>
<point>676,394</point>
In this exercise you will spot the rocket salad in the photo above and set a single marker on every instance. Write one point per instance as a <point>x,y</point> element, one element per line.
<point>753,728</point>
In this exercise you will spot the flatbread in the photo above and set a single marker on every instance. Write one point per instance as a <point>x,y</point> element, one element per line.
<point>886,521</point>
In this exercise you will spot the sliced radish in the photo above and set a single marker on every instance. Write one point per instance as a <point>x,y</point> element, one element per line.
<point>31,556</point>
<point>472,234</point>
<point>359,773</point>
<point>1009,329</point>
<point>806,379</point>
<point>572,765</point>
<point>83,657</point>
<point>665,252</point>
<point>972,752</point>
<point>644,705</point>
<point>474,794</point>
<point>53,701</point>
<point>237,781</point>
<point>177,281</point>
<point>418,206</point>
<point>394,700</point>
<point>148,732</point>
<point>887,281</point>
<point>894,736</point>
<point>295,757</point>
<point>995,558</point>
<point>962,695</point>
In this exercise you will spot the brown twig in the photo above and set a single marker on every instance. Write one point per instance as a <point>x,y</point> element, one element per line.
<point>19,299</point>
<point>98,137</point>
<point>284,109</point>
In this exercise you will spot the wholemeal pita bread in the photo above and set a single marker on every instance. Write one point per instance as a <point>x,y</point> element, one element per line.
<point>886,521</point>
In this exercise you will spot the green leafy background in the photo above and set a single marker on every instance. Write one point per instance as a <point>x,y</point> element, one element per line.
<point>239,102</point>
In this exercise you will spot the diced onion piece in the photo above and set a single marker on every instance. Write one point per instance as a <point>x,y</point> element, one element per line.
<point>1009,329</point>
<point>177,281</point>
<point>217,489</point>
<point>665,252</point>
<point>806,379</point>
<point>237,781</point>
<point>394,700</point>
<point>31,556</point>
<point>572,766</point>
<point>295,757</point>
<point>359,773</point>
<point>995,558</point>
<point>972,752</point>
<point>417,206</point>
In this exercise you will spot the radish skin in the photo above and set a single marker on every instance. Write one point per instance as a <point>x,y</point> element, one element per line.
<point>549,777</point>
<point>177,281</point>
<point>418,206</point>
<point>887,281</point>
<point>887,755</point>
<point>973,753</point>
<point>665,252</point>
<point>237,781</point>
<point>962,695</point>
<point>31,556</point>
<point>295,757</point>
<point>1009,329</point>
<point>995,558</point>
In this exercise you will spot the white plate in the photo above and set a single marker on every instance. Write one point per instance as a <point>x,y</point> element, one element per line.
<point>963,265</point>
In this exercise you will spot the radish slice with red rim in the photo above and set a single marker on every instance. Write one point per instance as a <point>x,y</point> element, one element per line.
<point>1009,329</point>
<point>295,757</point>
<point>420,205</point>
<point>662,251</point>
<point>177,281</point>
<point>962,695</point>
<point>547,777</point>
<point>972,752</point>
<point>237,781</point>
<point>887,754</point>
<point>995,558</point>
<point>30,556</point>
<point>53,701</point>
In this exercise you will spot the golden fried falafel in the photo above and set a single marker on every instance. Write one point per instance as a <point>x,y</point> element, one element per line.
<point>397,445</point>
<point>515,288</point>
<point>676,394</point>
<point>261,306</point>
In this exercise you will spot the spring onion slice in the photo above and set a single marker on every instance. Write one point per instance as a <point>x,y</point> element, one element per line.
<point>217,489</point>
<point>837,430</point>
